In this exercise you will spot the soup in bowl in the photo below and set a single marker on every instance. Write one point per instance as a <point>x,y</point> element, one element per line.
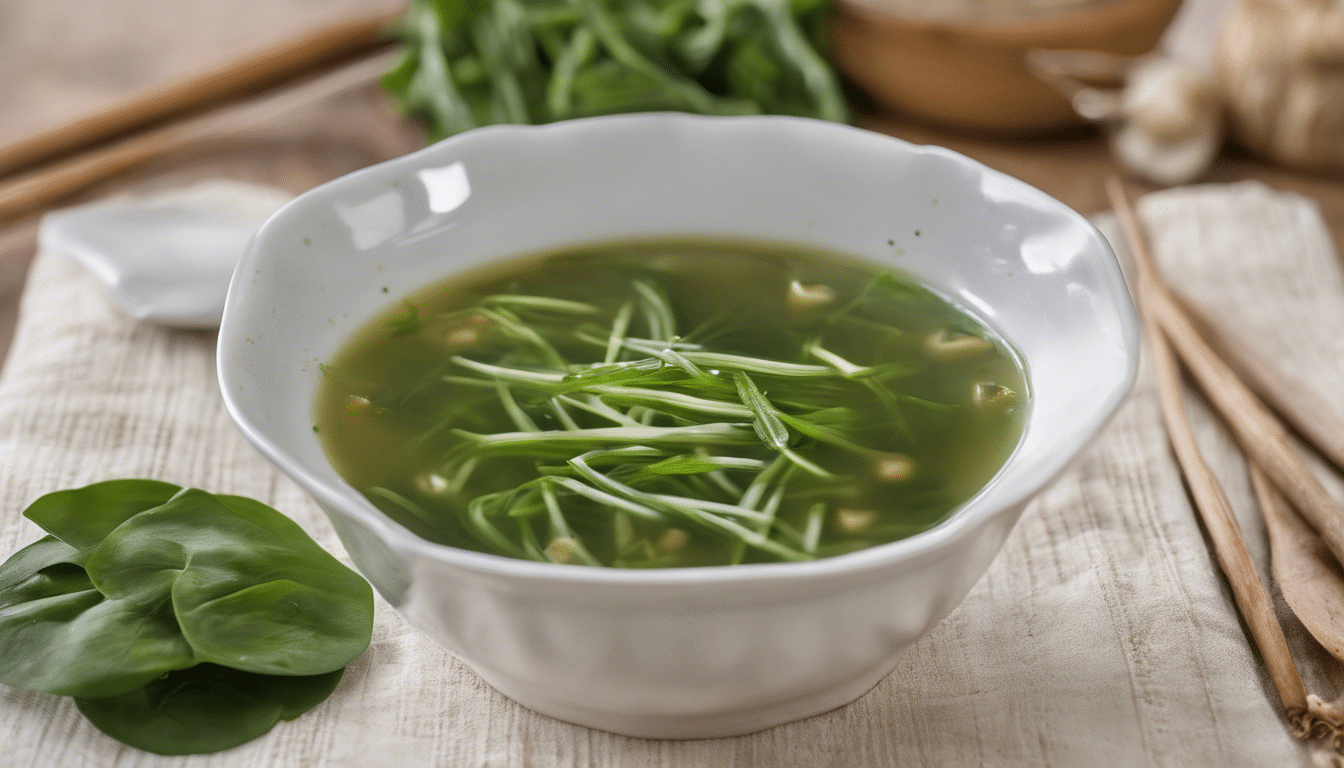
<point>675,426</point>
<point>671,404</point>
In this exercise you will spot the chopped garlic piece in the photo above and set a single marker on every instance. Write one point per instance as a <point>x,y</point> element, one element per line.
<point>432,483</point>
<point>467,333</point>
<point>356,407</point>
<point>802,298</point>
<point>672,540</point>
<point>854,520</point>
<point>563,550</point>
<point>894,468</point>
<point>951,345</point>
<point>990,395</point>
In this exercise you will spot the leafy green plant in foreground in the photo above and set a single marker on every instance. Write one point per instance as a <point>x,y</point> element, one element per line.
<point>470,63</point>
<point>182,621</point>
<point>205,708</point>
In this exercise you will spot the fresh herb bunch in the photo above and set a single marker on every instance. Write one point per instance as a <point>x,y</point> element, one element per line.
<point>469,63</point>
<point>181,621</point>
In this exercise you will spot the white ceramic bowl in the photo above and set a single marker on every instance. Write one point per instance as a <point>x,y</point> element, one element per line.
<point>697,652</point>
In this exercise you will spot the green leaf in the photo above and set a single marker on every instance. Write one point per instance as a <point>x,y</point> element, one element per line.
<point>560,89</point>
<point>408,324</point>
<point>612,373</point>
<point>60,635</point>
<point>151,580</point>
<point>767,423</point>
<point>541,304</point>
<point>818,431</point>
<point>399,78</point>
<point>206,708</point>
<point>453,14</point>
<point>833,415</point>
<point>32,560</point>
<point>693,464</point>
<point>82,517</point>
<point>250,589</point>
<point>469,63</point>
<point>672,402</point>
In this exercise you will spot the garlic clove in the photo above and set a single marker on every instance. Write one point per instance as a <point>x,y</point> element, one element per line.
<point>467,333</point>
<point>1170,122</point>
<point>894,468</point>
<point>852,521</point>
<point>1165,164</point>
<point>952,345</point>
<point>356,407</point>
<point>432,484</point>
<point>672,541</point>
<point>993,397</point>
<point>562,550</point>
<point>1168,99</point>
<point>802,298</point>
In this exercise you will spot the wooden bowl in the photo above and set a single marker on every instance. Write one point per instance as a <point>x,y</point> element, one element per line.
<point>971,74</point>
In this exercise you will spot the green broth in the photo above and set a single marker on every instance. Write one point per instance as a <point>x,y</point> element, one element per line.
<point>671,404</point>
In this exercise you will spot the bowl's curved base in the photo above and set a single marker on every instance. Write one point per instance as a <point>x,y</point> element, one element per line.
<point>712,725</point>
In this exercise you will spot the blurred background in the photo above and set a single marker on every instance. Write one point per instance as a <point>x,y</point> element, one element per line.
<point>1057,92</point>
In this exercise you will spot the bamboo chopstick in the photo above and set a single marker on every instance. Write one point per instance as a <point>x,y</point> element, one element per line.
<point>1259,434</point>
<point>1210,502</point>
<point>31,191</point>
<point>1308,715</point>
<point>244,75</point>
<point>1213,508</point>
<point>1307,412</point>
<point>1303,567</point>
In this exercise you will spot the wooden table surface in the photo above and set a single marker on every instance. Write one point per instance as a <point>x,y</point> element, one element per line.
<point>59,58</point>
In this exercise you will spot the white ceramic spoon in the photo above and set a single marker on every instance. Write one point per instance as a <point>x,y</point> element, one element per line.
<point>166,257</point>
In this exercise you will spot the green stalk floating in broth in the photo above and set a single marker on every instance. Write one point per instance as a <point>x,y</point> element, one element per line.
<point>554,411</point>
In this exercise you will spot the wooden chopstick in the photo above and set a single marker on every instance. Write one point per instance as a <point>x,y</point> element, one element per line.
<point>1307,412</point>
<point>30,192</point>
<point>17,243</point>
<point>237,78</point>
<point>1259,434</point>
<point>1305,570</point>
<point>1214,509</point>
<point>1210,501</point>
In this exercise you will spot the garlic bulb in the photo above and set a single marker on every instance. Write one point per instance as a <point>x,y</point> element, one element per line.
<point>1169,121</point>
<point>1281,66</point>
<point>1165,118</point>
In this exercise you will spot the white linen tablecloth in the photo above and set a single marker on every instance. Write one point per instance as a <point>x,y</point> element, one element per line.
<point>1102,635</point>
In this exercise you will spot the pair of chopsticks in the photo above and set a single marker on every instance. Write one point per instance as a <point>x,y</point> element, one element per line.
<point>152,123</point>
<point>1280,477</point>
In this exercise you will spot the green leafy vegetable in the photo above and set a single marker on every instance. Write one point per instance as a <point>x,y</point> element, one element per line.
<point>249,588</point>
<point>410,323</point>
<point>82,517</point>
<point>206,708</point>
<point>22,576</point>
<point>182,621</point>
<point>470,63</point>
<point>60,635</point>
